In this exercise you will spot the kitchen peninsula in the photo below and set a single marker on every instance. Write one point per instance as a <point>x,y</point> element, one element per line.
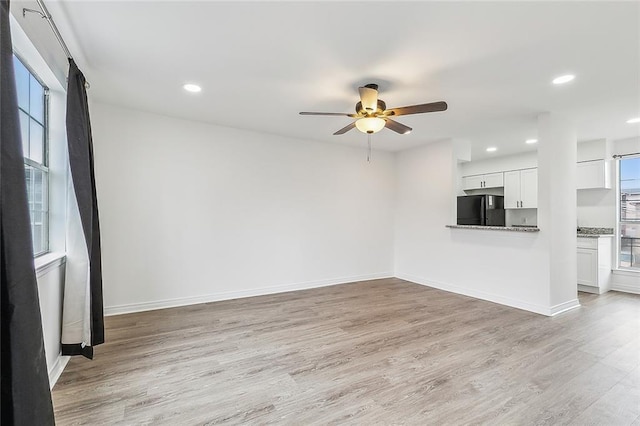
<point>497,228</point>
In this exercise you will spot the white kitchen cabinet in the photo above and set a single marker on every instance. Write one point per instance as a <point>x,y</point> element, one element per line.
<point>491,180</point>
<point>587,267</point>
<point>521,189</point>
<point>529,188</point>
<point>494,180</point>
<point>594,264</point>
<point>472,182</point>
<point>593,175</point>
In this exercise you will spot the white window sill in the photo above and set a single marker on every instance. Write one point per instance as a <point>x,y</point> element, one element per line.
<point>48,262</point>
<point>626,272</point>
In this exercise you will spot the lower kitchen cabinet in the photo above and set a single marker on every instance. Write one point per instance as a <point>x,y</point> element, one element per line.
<point>594,264</point>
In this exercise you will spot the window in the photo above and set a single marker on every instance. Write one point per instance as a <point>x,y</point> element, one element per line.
<point>32,109</point>
<point>629,223</point>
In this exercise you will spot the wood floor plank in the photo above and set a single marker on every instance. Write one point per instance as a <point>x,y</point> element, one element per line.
<point>376,352</point>
<point>620,405</point>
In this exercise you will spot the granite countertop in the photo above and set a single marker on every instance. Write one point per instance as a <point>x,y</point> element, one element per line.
<point>497,228</point>
<point>583,232</point>
<point>586,232</point>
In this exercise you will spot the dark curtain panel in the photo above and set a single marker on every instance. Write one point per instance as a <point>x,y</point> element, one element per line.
<point>82,174</point>
<point>26,399</point>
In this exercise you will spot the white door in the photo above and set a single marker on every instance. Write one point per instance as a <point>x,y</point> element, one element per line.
<point>472,182</point>
<point>494,180</point>
<point>511,189</point>
<point>588,267</point>
<point>591,174</point>
<point>529,188</point>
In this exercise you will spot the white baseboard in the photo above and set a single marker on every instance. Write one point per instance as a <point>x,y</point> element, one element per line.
<point>57,370</point>
<point>626,288</point>
<point>228,295</point>
<point>625,281</point>
<point>564,307</point>
<point>478,294</point>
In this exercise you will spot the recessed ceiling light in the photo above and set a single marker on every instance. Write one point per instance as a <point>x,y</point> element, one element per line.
<point>530,141</point>
<point>633,120</point>
<point>563,79</point>
<point>193,88</point>
<point>492,149</point>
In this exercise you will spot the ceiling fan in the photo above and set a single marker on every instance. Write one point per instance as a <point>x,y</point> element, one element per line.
<point>372,114</point>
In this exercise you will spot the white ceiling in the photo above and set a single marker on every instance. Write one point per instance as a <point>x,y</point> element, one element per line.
<point>259,64</point>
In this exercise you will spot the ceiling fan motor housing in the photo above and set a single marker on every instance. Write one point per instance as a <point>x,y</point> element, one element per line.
<point>379,110</point>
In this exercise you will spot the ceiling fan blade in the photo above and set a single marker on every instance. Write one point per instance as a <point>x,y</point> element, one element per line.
<point>397,127</point>
<point>417,109</point>
<point>369,98</point>
<point>339,114</point>
<point>345,129</point>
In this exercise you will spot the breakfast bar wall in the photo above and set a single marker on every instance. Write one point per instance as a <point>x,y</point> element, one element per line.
<point>512,268</point>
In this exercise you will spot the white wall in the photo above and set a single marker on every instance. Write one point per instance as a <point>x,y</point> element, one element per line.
<point>505,267</point>
<point>597,207</point>
<point>626,146</point>
<point>597,149</point>
<point>557,173</point>
<point>191,211</point>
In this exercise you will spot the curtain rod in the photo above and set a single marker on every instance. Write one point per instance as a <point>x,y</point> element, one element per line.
<point>626,155</point>
<point>46,15</point>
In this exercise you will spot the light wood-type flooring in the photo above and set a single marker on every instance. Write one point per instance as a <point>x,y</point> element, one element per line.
<point>377,352</point>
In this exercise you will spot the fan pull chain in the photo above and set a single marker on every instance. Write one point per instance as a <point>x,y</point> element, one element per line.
<point>369,150</point>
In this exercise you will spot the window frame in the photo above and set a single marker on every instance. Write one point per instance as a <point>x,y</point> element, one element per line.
<point>619,220</point>
<point>44,166</point>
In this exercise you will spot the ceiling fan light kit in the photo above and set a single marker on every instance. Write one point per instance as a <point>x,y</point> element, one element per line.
<point>370,124</point>
<point>372,114</point>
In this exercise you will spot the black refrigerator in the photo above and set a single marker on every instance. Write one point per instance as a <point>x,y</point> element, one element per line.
<point>485,210</point>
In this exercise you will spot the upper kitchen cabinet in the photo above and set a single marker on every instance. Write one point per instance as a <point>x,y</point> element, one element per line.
<point>521,189</point>
<point>491,180</point>
<point>593,175</point>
